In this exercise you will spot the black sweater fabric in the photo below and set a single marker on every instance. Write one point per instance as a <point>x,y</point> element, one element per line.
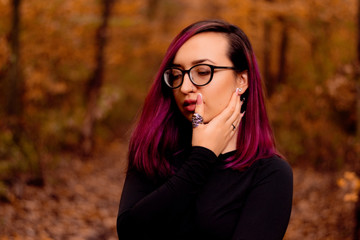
<point>205,200</point>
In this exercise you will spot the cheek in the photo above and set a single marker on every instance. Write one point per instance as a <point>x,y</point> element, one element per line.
<point>218,96</point>
<point>218,104</point>
<point>176,98</point>
<point>215,104</point>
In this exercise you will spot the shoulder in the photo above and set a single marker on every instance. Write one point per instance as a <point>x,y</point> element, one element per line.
<point>274,162</point>
<point>273,167</point>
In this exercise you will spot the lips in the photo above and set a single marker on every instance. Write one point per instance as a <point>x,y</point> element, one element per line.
<point>189,105</point>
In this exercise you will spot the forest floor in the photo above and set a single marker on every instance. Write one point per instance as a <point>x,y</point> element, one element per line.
<point>80,201</point>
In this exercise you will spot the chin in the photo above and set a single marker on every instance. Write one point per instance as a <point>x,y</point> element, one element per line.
<point>189,117</point>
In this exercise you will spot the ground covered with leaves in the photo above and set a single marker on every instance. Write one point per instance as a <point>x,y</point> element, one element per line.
<point>80,201</point>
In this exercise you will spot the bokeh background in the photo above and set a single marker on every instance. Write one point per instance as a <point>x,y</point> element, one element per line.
<point>74,74</point>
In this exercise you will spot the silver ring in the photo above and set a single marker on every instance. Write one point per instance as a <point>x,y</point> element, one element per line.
<point>196,120</point>
<point>233,126</point>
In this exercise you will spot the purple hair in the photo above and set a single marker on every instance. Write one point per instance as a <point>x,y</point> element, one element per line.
<point>157,138</point>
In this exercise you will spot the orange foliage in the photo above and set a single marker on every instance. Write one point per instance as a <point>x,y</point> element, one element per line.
<point>57,57</point>
<point>312,110</point>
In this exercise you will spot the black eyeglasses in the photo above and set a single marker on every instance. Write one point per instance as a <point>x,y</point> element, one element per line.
<point>200,75</point>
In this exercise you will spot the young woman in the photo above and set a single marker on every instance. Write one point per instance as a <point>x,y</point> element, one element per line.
<point>202,160</point>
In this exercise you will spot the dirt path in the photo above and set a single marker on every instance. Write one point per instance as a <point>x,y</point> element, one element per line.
<point>319,211</point>
<point>80,201</point>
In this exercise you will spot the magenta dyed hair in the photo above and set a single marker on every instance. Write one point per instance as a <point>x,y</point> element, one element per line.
<point>157,138</point>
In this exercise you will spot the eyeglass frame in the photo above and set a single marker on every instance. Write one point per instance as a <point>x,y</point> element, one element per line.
<point>183,72</point>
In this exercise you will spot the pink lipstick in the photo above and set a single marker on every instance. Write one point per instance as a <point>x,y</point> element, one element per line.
<point>189,105</point>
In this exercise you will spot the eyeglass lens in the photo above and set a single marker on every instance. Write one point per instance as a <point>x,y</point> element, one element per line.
<point>199,75</point>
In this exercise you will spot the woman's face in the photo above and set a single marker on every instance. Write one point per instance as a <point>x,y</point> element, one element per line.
<point>208,48</point>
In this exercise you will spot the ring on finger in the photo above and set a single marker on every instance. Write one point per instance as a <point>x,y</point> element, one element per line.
<point>196,120</point>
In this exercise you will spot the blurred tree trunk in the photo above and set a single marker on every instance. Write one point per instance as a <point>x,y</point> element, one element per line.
<point>95,82</point>
<point>13,90</point>
<point>268,76</point>
<point>152,6</point>
<point>357,74</point>
<point>267,57</point>
<point>284,42</point>
<point>357,79</point>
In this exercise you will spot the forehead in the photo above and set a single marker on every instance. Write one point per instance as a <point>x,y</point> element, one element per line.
<point>210,46</point>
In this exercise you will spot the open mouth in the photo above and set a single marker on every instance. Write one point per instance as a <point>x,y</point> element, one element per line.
<point>190,105</point>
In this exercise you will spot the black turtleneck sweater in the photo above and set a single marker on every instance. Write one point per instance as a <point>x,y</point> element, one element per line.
<point>204,200</point>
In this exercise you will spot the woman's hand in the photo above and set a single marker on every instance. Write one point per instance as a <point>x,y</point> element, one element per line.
<point>216,134</point>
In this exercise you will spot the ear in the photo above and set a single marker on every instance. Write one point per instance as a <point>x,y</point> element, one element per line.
<point>242,81</point>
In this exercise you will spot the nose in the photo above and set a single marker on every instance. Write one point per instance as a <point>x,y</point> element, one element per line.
<point>187,86</point>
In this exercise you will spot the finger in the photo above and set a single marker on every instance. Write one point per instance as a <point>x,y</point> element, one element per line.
<point>198,112</point>
<point>235,115</point>
<point>230,108</point>
<point>199,108</point>
<point>238,120</point>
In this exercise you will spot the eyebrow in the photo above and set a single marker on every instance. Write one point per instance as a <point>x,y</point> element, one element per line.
<point>195,62</point>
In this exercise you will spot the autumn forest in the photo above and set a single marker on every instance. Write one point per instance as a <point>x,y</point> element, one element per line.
<point>74,75</point>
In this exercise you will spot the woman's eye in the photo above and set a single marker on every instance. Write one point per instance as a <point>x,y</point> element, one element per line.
<point>175,76</point>
<point>203,72</point>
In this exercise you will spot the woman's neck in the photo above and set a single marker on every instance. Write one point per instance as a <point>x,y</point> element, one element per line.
<point>231,146</point>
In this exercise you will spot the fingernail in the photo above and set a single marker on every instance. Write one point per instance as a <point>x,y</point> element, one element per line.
<point>199,99</point>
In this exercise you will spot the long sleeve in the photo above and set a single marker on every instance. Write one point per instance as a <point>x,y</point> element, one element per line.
<point>267,208</point>
<point>144,206</point>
